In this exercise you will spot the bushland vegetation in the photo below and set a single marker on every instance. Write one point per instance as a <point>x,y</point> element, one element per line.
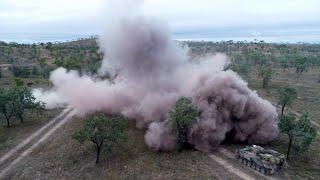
<point>279,72</point>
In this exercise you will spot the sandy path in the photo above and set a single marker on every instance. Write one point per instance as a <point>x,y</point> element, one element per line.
<point>65,116</point>
<point>231,168</point>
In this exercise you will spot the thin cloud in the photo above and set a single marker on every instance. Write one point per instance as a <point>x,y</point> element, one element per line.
<point>83,16</point>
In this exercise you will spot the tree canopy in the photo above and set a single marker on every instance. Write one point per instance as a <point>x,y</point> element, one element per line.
<point>104,131</point>
<point>300,132</point>
<point>287,95</point>
<point>266,74</point>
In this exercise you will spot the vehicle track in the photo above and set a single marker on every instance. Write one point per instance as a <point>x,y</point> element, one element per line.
<point>229,167</point>
<point>15,155</point>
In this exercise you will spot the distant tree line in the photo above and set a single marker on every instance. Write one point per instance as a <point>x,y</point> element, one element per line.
<point>32,60</point>
<point>260,58</point>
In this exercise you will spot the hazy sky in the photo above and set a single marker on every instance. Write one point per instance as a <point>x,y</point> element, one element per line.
<point>220,17</point>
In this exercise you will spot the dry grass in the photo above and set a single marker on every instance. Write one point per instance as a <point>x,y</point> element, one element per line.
<point>308,88</point>
<point>63,158</point>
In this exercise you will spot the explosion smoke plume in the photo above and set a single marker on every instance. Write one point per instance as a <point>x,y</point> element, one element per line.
<point>150,72</point>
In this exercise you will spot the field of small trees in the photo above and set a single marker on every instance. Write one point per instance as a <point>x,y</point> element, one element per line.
<point>263,58</point>
<point>288,75</point>
<point>38,60</point>
<point>30,60</point>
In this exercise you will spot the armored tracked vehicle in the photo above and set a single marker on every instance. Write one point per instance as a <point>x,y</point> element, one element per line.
<point>266,161</point>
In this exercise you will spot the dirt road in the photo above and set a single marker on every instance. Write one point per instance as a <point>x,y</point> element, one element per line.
<point>15,155</point>
<point>231,168</point>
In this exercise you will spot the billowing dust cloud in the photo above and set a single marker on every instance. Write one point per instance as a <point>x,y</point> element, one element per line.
<point>149,72</point>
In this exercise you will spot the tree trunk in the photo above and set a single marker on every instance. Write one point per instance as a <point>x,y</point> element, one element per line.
<point>8,123</point>
<point>8,117</point>
<point>289,147</point>
<point>98,152</point>
<point>21,119</point>
<point>282,109</point>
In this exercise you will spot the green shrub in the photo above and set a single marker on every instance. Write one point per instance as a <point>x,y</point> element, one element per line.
<point>182,116</point>
<point>300,132</point>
